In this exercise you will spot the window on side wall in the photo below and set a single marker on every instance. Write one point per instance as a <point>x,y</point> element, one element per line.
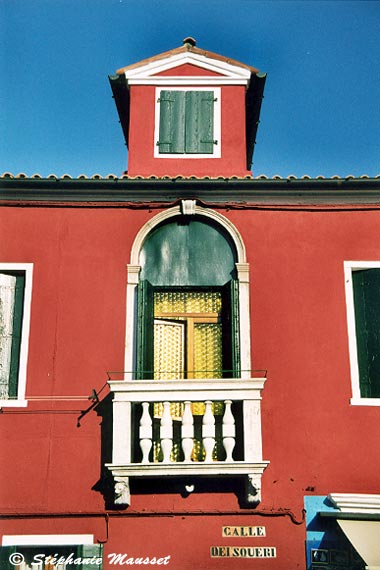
<point>363,296</point>
<point>187,123</point>
<point>15,296</point>
<point>53,552</point>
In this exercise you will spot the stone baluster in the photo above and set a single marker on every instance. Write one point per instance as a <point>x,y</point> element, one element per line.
<point>145,432</point>
<point>166,433</point>
<point>187,432</point>
<point>228,431</point>
<point>208,432</point>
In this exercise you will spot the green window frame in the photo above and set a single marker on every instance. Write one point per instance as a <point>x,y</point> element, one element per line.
<point>12,293</point>
<point>186,122</point>
<point>366,294</point>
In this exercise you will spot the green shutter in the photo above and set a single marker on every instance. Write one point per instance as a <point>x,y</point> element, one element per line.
<point>231,329</point>
<point>366,285</point>
<point>199,123</point>
<point>186,122</point>
<point>145,312</point>
<point>89,553</point>
<point>172,122</point>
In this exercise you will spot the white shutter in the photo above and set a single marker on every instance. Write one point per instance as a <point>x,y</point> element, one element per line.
<point>7,303</point>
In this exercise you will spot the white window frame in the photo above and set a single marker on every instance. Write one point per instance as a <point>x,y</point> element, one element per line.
<point>27,268</point>
<point>243,276</point>
<point>217,153</point>
<point>47,539</point>
<point>349,268</point>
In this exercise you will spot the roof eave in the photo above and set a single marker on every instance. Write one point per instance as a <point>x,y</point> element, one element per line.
<point>243,193</point>
<point>254,97</point>
<point>120,91</point>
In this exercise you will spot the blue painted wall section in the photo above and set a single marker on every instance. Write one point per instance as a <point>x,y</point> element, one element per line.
<point>327,547</point>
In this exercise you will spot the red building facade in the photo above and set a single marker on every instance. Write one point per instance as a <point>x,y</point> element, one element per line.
<point>189,353</point>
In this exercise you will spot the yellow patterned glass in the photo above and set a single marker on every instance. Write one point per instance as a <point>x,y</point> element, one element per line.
<point>187,344</point>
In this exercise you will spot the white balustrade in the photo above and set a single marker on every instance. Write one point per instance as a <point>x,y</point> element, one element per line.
<point>166,433</point>
<point>187,432</point>
<point>229,430</point>
<point>145,432</point>
<point>208,431</point>
<point>179,448</point>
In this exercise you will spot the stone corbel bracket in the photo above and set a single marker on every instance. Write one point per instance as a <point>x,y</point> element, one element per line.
<point>253,489</point>
<point>122,491</point>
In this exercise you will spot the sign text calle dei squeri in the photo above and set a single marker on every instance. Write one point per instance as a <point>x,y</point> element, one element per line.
<point>251,551</point>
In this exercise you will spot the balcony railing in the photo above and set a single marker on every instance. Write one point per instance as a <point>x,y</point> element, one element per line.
<point>187,428</point>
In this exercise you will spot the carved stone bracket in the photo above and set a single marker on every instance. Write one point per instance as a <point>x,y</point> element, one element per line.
<point>188,207</point>
<point>122,491</point>
<point>253,489</point>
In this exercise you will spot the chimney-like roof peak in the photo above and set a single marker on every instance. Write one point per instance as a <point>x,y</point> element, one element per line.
<point>189,42</point>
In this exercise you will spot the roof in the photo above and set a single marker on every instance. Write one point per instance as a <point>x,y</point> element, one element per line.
<point>233,193</point>
<point>189,46</point>
<point>255,81</point>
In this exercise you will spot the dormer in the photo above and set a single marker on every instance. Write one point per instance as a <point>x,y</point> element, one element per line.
<point>189,112</point>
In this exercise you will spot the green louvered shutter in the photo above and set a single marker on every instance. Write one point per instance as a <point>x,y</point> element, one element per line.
<point>366,284</point>
<point>172,122</point>
<point>231,329</point>
<point>145,312</point>
<point>199,122</point>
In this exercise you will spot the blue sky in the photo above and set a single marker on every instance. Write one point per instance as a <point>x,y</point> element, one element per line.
<point>321,111</point>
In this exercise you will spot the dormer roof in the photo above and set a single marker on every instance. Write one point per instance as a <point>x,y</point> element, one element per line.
<point>190,65</point>
<point>223,69</point>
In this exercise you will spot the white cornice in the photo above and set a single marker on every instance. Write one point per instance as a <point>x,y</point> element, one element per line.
<point>187,80</point>
<point>356,502</point>
<point>227,72</point>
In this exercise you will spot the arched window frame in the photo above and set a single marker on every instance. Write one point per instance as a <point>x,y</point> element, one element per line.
<point>188,207</point>
<point>245,389</point>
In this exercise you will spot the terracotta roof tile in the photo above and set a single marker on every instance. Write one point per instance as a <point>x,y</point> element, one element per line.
<point>22,175</point>
<point>187,47</point>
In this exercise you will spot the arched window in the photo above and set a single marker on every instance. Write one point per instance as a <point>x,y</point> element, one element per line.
<point>188,395</point>
<point>188,308</point>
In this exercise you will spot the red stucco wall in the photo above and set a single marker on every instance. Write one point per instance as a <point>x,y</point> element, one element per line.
<point>141,161</point>
<point>316,442</point>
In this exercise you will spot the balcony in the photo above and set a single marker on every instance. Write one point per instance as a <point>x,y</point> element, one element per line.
<point>187,429</point>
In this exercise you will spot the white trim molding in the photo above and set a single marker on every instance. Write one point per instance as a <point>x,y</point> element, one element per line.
<point>47,539</point>
<point>147,74</point>
<point>349,267</point>
<point>242,267</point>
<point>27,269</point>
<point>356,502</point>
<point>188,80</point>
<point>176,211</point>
